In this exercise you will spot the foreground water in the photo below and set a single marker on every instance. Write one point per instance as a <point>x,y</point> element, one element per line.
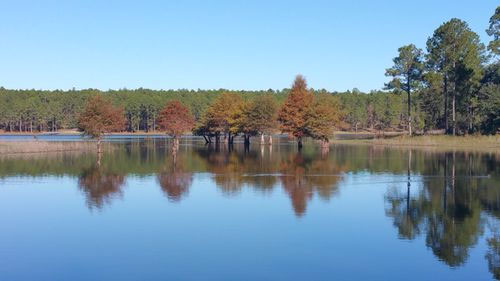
<point>267,213</point>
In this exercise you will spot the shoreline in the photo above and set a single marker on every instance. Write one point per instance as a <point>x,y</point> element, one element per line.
<point>435,142</point>
<point>486,144</point>
<point>76,133</point>
<point>28,147</point>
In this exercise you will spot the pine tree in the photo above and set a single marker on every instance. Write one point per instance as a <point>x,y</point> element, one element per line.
<point>407,73</point>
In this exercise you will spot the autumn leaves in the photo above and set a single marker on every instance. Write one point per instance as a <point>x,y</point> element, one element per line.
<point>175,119</point>
<point>306,115</point>
<point>303,114</point>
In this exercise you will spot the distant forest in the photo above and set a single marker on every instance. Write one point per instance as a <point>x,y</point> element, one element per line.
<point>453,86</point>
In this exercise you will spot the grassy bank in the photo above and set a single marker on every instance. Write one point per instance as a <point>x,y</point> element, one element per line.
<point>20,147</point>
<point>480,143</point>
<point>441,142</point>
<point>71,132</point>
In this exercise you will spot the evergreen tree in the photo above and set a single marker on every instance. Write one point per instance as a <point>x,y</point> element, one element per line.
<point>407,73</point>
<point>456,52</point>
<point>494,30</point>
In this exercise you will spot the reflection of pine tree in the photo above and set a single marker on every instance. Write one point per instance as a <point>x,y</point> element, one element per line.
<point>446,209</point>
<point>407,215</point>
<point>493,253</point>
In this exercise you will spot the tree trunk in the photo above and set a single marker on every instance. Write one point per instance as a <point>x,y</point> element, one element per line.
<point>325,143</point>
<point>471,117</point>
<point>99,156</point>
<point>176,143</point>
<point>453,101</point>
<point>325,147</point>
<point>154,123</point>
<point>247,144</point>
<point>270,139</point>
<point>453,114</point>
<point>262,140</point>
<point>446,126</point>
<point>174,155</point>
<point>99,145</point>
<point>299,143</point>
<point>409,108</point>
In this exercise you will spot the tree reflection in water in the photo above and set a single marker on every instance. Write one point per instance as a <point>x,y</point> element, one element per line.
<point>100,187</point>
<point>493,254</point>
<point>449,199</point>
<point>174,179</point>
<point>301,175</point>
<point>447,210</point>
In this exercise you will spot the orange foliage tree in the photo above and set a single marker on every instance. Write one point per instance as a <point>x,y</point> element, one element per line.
<point>175,119</point>
<point>292,115</point>
<point>99,117</point>
<point>221,117</point>
<point>322,117</point>
<point>258,117</point>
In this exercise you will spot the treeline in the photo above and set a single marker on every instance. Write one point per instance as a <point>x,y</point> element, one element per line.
<point>50,111</point>
<point>455,83</point>
<point>37,110</point>
<point>303,114</point>
<point>453,86</point>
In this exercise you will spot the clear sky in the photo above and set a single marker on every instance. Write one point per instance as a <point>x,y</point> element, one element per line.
<point>337,45</point>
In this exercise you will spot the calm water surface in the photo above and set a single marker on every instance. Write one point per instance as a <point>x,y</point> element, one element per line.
<point>267,213</point>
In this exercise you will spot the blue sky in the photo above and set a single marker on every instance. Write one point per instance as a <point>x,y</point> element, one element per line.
<point>337,45</point>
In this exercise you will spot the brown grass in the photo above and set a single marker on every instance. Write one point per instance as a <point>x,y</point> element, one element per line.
<point>76,132</point>
<point>475,143</point>
<point>32,146</point>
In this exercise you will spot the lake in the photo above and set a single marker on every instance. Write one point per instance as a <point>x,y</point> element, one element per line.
<point>265,213</point>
